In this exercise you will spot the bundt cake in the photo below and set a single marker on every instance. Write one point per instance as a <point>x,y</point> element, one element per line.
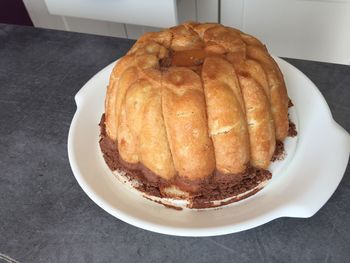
<point>194,113</point>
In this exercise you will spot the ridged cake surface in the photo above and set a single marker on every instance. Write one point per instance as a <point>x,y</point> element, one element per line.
<point>194,112</point>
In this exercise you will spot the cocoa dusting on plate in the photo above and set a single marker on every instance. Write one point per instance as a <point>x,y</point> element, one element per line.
<point>290,103</point>
<point>166,205</point>
<point>279,153</point>
<point>292,131</point>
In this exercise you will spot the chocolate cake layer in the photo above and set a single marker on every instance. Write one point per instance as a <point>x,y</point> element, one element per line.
<point>217,186</point>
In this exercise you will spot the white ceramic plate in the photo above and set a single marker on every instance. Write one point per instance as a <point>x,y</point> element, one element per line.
<point>300,185</point>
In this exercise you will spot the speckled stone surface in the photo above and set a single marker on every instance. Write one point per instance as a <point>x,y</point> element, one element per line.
<point>46,217</point>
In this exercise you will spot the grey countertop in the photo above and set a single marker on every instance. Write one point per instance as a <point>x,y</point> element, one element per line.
<point>46,217</point>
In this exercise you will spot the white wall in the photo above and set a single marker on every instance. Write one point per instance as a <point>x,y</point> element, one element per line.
<point>306,29</point>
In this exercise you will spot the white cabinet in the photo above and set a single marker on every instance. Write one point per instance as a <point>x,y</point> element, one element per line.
<point>156,13</point>
<point>120,18</point>
<point>306,29</point>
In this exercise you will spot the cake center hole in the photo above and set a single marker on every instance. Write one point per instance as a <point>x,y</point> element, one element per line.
<point>188,58</point>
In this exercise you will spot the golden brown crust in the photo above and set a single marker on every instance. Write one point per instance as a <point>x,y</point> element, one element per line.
<point>229,39</point>
<point>257,72</point>
<point>136,97</point>
<point>253,69</point>
<point>184,38</point>
<point>127,145</point>
<point>112,91</point>
<point>190,24</point>
<point>155,149</point>
<point>201,28</point>
<point>278,92</point>
<point>252,41</point>
<point>226,118</point>
<point>146,124</point>
<point>151,48</point>
<point>260,123</point>
<point>219,69</point>
<point>186,123</point>
<point>128,77</point>
<point>163,38</point>
<point>164,117</point>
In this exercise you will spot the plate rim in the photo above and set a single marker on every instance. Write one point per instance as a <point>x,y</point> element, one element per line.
<point>283,211</point>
